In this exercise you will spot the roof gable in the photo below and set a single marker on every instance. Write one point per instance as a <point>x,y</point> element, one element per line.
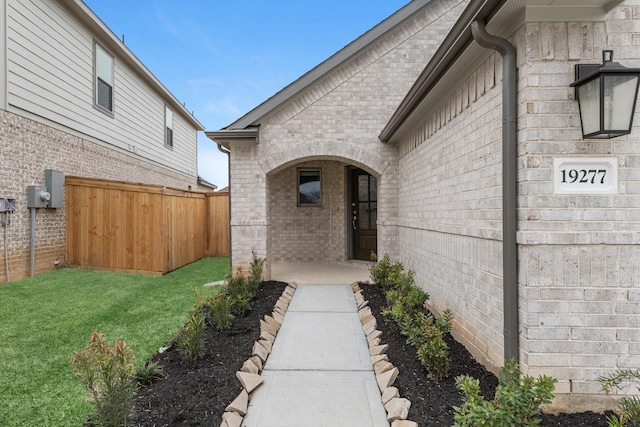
<point>348,53</point>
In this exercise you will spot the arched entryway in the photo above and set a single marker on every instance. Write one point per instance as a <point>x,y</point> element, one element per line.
<point>322,210</point>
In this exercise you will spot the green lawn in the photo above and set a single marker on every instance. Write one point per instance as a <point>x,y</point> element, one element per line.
<point>44,319</point>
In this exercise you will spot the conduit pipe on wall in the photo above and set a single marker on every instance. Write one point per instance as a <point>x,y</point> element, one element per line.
<point>33,242</point>
<point>509,183</point>
<point>6,222</point>
<point>228,153</point>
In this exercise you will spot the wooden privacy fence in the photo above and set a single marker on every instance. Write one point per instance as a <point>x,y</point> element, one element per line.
<point>142,228</point>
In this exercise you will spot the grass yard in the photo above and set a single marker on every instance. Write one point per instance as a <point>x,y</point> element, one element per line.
<point>44,319</point>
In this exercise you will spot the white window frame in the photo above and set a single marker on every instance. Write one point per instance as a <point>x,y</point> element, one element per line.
<point>168,127</point>
<point>105,75</point>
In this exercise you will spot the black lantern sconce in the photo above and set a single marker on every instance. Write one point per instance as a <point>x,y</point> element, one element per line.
<point>607,96</point>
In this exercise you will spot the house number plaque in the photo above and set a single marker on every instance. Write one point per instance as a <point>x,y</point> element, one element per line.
<point>583,175</point>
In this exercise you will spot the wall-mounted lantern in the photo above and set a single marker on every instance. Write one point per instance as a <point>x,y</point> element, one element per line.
<point>607,95</point>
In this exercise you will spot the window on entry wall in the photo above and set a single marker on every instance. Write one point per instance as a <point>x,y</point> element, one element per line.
<point>168,126</point>
<point>309,190</point>
<point>103,79</point>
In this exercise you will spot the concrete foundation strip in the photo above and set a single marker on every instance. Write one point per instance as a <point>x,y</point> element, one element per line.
<point>249,374</point>
<point>397,408</point>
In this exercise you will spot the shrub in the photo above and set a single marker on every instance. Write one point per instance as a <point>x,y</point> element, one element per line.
<point>385,273</point>
<point>426,333</point>
<point>221,310</point>
<point>423,331</point>
<point>201,302</point>
<point>255,272</point>
<point>516,401</point>
<point>107,373</point>
<point>239,292</point>
<point>148,373</point>
<point>630,406</point>
<point>404,298</point>
<point>189,339</point>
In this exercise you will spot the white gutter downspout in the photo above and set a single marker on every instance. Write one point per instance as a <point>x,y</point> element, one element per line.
<point>509,184</point>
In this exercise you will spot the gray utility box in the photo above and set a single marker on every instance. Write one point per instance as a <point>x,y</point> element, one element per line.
<point>37,197</point>
<point>54,181</point>
<point>7,205</point>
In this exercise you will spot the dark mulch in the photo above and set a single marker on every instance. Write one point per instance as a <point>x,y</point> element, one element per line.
<point>431,403</point>
<point>197,395</point>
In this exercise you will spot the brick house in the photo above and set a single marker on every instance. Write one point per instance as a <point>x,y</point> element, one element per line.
<point>74,99</point>
<point>395,145</point>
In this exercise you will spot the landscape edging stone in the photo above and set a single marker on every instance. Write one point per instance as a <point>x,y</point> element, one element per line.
<point>269,328</point>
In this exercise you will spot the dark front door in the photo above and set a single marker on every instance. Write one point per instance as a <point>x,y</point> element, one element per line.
<point>364,214</point>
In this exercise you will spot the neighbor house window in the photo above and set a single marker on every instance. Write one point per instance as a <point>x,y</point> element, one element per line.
<point>103,79</point>
<point>168,126</point>
<point>309,190</point>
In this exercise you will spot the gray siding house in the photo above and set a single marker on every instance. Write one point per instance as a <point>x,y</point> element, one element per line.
<point>75,99</point>
<point>395,145</point>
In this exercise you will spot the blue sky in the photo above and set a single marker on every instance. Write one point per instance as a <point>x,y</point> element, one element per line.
<point>225,57</point>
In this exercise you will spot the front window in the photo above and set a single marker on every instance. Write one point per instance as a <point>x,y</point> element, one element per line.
<point>309,189</point>
<point>103,79</point>
<point>168,126</point>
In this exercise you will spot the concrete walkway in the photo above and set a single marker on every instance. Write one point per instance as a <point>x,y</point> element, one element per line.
<point>319,372</point>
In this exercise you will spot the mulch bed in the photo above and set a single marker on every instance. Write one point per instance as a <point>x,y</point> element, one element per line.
<point>431,403</point>
<point>198,395</point>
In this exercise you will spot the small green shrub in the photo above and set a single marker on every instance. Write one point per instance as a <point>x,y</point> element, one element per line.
<point>406,306</point>
<point>148,373</point>
<point>201,302</point>
<point>189,340</point>
<point>404,298</point>
<point>385,273</point>
<point>255,272</point>
<point>434,356</point>
<point>108,374</point>
<point>516,401</point>
<point>221,310</point>
<point>426,333</point>
<point>630,406</point>
<point>239,292</point>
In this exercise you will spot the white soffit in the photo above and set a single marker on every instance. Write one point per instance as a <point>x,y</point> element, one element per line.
<point>565,10</point>
<point>564,14</point>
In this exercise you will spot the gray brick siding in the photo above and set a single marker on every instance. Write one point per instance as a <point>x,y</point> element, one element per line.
<point>30,147</point>
<point>335,123</point>
<point>578,255</point>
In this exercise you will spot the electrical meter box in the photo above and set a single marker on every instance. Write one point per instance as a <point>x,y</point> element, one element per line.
<point>7,205</point>
<point>37,197</point>
<point>54,181</point>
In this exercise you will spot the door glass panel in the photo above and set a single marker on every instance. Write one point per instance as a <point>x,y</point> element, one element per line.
<point>363,216</point>
<point>373,188</point>
<point>363,188</point>
<point>374,217</point>
<point>373,214</point>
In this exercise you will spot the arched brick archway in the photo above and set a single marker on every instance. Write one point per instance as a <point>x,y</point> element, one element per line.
<point>322,234</point>
<point>338,151</point>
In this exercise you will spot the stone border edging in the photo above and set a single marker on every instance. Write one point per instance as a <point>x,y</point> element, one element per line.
<point>249,374</point>
<point>397,408</point>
